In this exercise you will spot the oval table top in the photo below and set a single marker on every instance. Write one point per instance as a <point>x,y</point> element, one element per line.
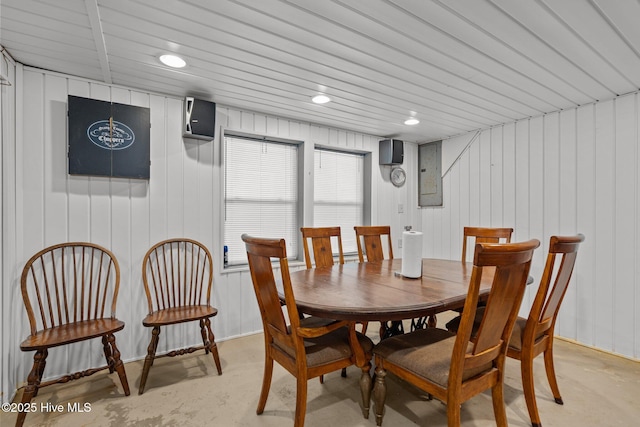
<point>376,291</point>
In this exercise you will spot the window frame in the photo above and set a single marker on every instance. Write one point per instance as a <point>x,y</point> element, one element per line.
<point>366,187</point>
<point>306,150</point>
<point>258,138</point>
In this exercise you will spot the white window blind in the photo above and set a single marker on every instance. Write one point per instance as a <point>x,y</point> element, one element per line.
<point>339,193</point>
<point>261,194</point>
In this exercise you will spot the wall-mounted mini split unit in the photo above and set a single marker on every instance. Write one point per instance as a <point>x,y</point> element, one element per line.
<point>391,152</point>
<point>199,119</point>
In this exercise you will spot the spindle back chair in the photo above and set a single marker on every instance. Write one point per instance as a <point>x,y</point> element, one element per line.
<point>70,292</point>
<point>178,276</point>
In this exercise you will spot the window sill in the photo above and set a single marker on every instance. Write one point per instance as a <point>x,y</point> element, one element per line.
<point>293,265</point>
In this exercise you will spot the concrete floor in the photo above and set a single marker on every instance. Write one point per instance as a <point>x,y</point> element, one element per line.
<point>598,389</point>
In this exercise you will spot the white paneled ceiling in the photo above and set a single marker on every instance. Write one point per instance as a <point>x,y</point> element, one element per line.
<point>455,65</point>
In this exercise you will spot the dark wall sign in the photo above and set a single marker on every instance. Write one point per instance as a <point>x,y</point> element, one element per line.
<point>108,139</point>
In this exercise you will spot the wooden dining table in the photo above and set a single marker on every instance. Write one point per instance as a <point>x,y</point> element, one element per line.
<point>376,291</point>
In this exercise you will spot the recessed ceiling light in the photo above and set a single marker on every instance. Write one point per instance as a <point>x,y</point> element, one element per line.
<point>321,99</point>
<point>173,61</point>
<point>412,121</point>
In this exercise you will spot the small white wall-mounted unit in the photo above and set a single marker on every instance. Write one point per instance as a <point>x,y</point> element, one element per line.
<point>391,152</point>
<point>199,119</point>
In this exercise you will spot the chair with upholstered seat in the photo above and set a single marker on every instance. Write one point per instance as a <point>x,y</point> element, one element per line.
<point>450,367</point>
<point>534,335</point>
<point>177,276</point>
<point>321,244</point>
<point>307,347</point>
<point>323,253</point>
<point>369,241</point>
<point>322,249</point>
<point>484,235</point>
<point>74,288</point>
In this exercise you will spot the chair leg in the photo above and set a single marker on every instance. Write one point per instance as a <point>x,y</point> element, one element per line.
<point>43,363</point>
<point>343,374</point>
<point>33,382</point>
<point>210,343</point>
<point>453,414</point>
<point>551,374</point>
<point>266,381</point>
<point>379,394</point>
<point>526,371</point>
<point>205,338</point>
<point>301,400</point>
<point>364,328</point>
<point>117,364</point>
<point>499,410</point>
<point>148,361</point>
<point>107,352</point>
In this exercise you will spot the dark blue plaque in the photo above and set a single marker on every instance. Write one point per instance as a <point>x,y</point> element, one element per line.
<point>108,139</point>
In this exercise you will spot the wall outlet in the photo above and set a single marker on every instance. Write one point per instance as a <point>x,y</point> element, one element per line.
<point>399,243</point>
<point>400,208</point>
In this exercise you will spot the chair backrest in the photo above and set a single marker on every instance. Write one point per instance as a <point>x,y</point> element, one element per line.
<point>177,273</point>
<point>372,237</point>
<point>554,282</point>
<point>70,282</point>
<point>321,245</point>
<point>511,263</point>
<point>260,252</point>
<point>485,235</point>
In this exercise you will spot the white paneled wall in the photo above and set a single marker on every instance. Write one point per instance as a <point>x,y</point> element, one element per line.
<point>562,173</point>
<point>8,296</point>
<point>43,205</point>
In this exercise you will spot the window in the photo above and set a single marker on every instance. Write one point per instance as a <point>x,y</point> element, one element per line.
<point>339,193</point>
<point>260,193</point>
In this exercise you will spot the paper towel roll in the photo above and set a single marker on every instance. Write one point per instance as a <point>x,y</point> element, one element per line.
<point>412,254</point>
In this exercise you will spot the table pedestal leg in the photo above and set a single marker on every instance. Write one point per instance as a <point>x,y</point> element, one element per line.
<point>391,329</point>
<point>424,322</point>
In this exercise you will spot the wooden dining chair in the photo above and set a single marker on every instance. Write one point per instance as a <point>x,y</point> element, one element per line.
<point>70,292</point>
<point>369,240</point>
<point>322,249</point>
<point>177,275</point>
<point>321,245</point>
<point>307,347</point>
<point>323,254</point>
<point>484,235</point>
<point>534,335</point>
<point>450,367</point>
